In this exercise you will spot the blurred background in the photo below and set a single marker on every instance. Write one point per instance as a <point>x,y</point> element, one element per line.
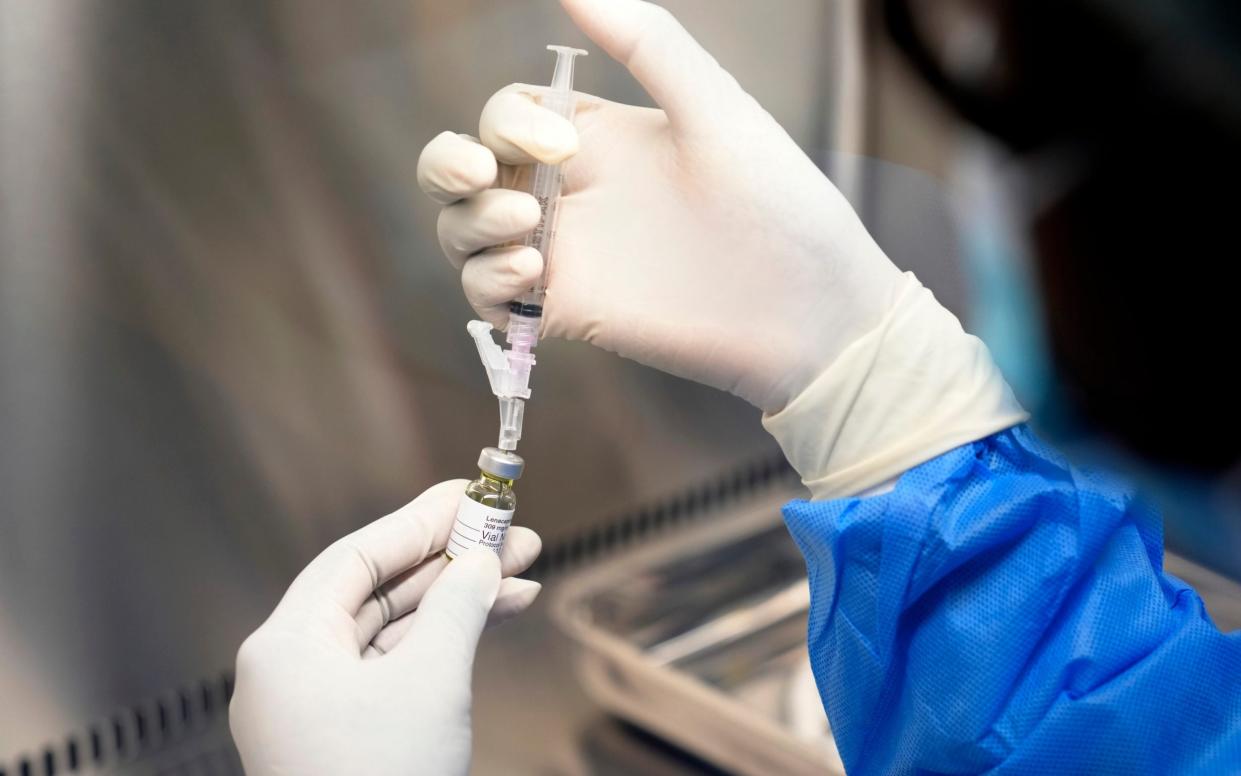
<point>227,335</point>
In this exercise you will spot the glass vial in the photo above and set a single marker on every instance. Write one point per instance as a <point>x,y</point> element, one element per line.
<point>486,508</point>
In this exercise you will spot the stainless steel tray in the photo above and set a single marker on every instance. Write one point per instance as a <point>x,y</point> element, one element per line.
<point>700,638</point>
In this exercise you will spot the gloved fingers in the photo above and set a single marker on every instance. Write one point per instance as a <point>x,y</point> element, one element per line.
<point>519,131</point>
<point>452,167</point>
<point>393,601</point>
<point>445,627</point>
<point>345,574</point>
<point>489,218</point>
<point>386,640</point>
<point>403,594</point>
<point>493,278</point>
<point>514,597</point>
<point>681,76</point>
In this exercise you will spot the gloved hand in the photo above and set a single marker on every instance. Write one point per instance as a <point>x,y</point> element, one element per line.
<point>365,665</point>
<point>700,240</point>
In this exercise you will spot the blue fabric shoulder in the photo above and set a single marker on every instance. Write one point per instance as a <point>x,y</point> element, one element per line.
<point>1002,611</point>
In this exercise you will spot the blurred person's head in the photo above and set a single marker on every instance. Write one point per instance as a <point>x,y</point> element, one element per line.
<point>1127,116</point>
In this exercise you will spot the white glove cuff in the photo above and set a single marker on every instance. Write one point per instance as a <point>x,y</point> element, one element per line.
<point>913,388</point>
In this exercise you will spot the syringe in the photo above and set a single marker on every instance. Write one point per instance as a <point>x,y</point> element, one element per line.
<point>548,180</point>
<point>526,312</point>
<point>509,373</point>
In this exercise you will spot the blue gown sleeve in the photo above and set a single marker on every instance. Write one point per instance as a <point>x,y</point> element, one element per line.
<point>1001,611</point>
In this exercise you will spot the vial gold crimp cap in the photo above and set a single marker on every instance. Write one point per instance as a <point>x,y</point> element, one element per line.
<point>501,463</point>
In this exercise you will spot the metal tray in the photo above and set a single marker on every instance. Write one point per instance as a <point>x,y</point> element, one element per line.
<point>700,638</point>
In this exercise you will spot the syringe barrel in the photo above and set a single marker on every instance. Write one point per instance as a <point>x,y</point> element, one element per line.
<point>547,184</point>
<point>548,181</point>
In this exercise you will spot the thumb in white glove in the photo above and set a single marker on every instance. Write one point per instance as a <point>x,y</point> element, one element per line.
<point>365,665</point>
<point>700,240</point>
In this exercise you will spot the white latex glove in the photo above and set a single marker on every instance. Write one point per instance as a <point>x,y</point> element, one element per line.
<point>365,665</point>
<point>700,240</point>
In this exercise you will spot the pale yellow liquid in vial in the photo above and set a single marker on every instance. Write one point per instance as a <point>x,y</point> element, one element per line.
<point>490,491</point>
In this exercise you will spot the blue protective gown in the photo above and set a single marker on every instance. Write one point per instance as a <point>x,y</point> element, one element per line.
<point>1002,611</point>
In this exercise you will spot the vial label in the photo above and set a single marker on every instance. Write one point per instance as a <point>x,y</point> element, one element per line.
<point>478,525</point>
